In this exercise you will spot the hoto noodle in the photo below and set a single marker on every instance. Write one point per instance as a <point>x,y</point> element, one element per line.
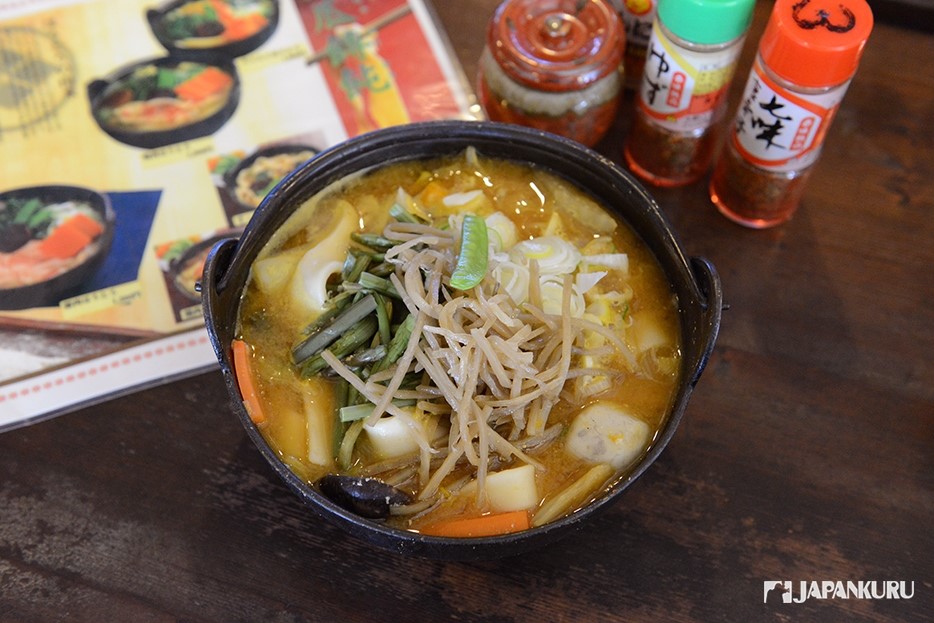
<point>562,356</point>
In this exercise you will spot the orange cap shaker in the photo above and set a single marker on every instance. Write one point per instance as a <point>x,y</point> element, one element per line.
<point>807,55</point>
<point>816,43</point>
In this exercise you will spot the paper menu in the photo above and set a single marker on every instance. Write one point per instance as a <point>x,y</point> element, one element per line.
<point>327,70</point>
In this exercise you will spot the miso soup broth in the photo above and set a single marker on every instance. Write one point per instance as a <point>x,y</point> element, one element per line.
<point>478,334</point>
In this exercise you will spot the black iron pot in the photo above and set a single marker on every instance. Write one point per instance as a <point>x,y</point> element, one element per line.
<point>695,282</point>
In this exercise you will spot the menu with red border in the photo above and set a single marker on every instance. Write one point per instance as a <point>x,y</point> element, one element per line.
<point>166,122</point>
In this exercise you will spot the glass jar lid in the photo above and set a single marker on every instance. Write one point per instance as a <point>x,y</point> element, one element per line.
<point>556,45</point>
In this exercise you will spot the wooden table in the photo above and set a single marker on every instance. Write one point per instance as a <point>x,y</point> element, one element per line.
<point>805,454</point>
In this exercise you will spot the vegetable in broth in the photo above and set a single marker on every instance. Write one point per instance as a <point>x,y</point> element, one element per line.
<point>476,334</point>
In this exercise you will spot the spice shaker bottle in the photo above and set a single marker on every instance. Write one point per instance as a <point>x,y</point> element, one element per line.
<point>554,65</point>
<point>637,16</point>
<point>690,62</point>
<point>807,55</point>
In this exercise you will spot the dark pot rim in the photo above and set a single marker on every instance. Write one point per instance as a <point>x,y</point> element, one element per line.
<point>161,138</point>
<point>696,283</point>
<point>51,291</point>
<point>231,50</point>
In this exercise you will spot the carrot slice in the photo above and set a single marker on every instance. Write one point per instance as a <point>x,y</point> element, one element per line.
<point>224,14</point>
<point>243,27</point>
<point>484,525</point>
<point>88,225</point>
<point>201,85</point>
<point>64,241</point>
<point>433,193</point>
<point>243,370</point>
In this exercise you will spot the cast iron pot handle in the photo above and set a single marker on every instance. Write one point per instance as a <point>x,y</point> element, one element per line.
<point>708,280</point>
<point>216,265</point>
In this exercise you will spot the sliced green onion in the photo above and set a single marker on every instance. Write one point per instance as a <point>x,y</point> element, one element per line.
<point>474,253</point>
<point>353,396</point>
<point>365,356</point>
<point>347,343</point>
<point>332,308</point>
<point>332,330</point>
<point>341,391</point>
<point>397,346</point>
<point>398,212</point>
<point>349,261</point>
<point>380,285</point>
<point>345,454</point>
<point>361,411</point>
<point>411,380</point>
<point>382,315</point>
<point>361,263</point>
<point>383,269</point>
<point>356,412</point>
<point>373,241</point>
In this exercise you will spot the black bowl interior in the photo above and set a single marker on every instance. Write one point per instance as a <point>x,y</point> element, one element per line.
<point>230,177</point>
<point>51,291</point>
<point>160,138</point>
<point>695,282</point>
<point>155,17</point>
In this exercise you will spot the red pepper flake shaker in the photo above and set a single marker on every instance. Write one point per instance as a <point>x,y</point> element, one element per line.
<point>554,65</point>
<point>807,56</point>
<point>681,103</point>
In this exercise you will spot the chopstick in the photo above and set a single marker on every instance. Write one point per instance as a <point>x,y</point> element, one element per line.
<point>380,22</point>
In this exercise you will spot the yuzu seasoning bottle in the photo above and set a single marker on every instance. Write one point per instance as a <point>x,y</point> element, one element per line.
<point>681,102</point>
<point>554,65</point>
<point>807,56</point>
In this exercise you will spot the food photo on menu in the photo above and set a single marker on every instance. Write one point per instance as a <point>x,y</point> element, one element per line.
<point>60,241</point>
<point>243,178</point>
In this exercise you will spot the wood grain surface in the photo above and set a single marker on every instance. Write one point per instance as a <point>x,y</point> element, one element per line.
<point>805,454</point>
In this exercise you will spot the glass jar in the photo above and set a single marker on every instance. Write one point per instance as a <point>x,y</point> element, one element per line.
<point>682,100</point>
<point>807,56</point>
<point>554,65</point>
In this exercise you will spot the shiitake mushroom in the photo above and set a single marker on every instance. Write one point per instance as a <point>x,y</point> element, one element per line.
<point>368,497</point>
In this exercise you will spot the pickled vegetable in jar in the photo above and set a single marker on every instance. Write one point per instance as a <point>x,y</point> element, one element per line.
<point>553,65</point>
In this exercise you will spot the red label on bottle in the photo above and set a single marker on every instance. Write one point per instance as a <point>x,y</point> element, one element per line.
<point>779,129</point>
<point>676,89</point>
<point>684,89</point>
